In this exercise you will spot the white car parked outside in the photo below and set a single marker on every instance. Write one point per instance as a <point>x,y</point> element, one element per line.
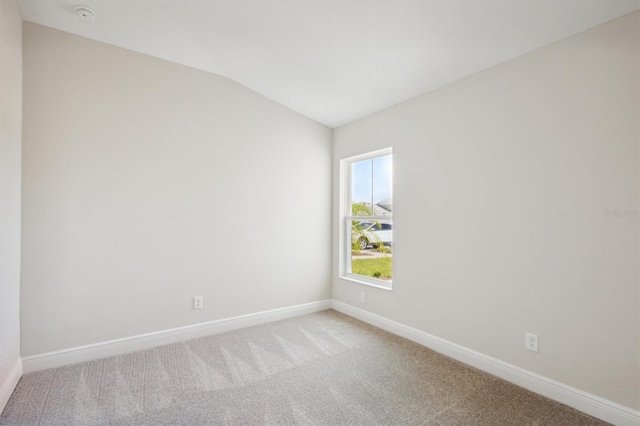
<point>373,234</point>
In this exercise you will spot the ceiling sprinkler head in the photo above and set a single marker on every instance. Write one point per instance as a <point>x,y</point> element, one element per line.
<point>85,13</point>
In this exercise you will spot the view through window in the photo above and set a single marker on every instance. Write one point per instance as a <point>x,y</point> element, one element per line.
<point>370,219</point>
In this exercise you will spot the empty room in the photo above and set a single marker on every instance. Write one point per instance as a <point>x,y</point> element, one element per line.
<point>319,212</point>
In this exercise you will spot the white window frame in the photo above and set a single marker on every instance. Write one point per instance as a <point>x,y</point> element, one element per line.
<point>346,218</point>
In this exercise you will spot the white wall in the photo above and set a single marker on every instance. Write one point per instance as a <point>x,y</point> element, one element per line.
<point>147,183</point>
<point>10,141</point>
<point>501,184</point>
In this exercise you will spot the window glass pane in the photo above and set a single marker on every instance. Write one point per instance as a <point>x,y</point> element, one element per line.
<point>372,248</point>
<point>361,188</point>
<point>382,173</point>
<point>370,243</point>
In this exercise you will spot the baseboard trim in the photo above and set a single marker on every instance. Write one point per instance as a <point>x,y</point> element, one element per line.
<point>149,340</point>
<point>588,403</point>
<point>10,384</point>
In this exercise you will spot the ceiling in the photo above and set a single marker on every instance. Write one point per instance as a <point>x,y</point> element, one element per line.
<point>332,60</point>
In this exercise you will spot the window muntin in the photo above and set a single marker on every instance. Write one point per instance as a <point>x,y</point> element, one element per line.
<point>368,218</point>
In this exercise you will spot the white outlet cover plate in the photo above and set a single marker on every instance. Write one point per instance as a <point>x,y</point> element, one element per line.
<point>531,342</point>
<point>197,302</point>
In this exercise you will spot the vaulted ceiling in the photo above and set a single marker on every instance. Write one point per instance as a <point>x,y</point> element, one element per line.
<point>332,60</point>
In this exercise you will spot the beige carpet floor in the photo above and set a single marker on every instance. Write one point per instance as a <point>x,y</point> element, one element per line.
<point>319,369</point>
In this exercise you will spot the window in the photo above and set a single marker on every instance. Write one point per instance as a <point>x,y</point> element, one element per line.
<point>367,210</point>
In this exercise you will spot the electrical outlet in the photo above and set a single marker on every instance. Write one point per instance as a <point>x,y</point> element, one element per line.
<point>531,342</point>
<point>363,297</point>
<point>197,302</point>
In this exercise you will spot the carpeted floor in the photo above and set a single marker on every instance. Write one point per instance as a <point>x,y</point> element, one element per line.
<point>319,369</point>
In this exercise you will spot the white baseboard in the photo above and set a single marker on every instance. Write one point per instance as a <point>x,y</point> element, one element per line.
<point>164,337</point>
<point>588,403</point>
<point>10,384</point>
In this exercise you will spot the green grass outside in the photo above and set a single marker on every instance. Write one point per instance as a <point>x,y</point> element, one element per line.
<point>369,267</point>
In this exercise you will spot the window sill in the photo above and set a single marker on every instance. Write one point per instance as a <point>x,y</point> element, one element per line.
<point>372,282</point>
